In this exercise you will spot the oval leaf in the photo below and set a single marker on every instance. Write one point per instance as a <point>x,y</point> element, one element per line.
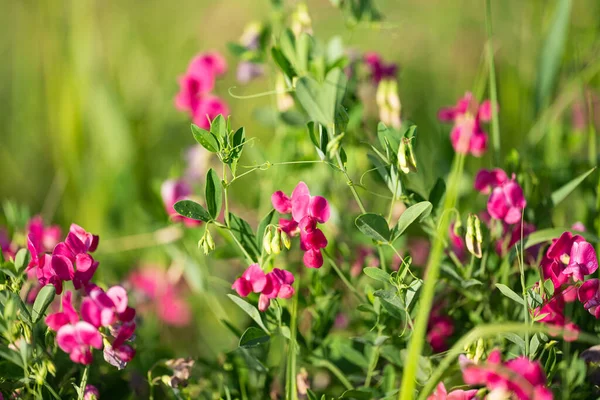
<point>377,273</point>
<point>561,193</point>
<point>508,292</point>
<point>250,310</point>
<point>42,301</point>
<point>205,138</point>
<point>21,260</point>
<point>191,209</point>
<point>253,337</point>
<point>214,193</point>
<point>415,212</point>
<point>374,226</point>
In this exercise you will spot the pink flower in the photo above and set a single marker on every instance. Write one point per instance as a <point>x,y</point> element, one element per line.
<point>91,393</point>
<point>209,108</point>
<point>252,280</point>
<point>279,284</point>
<point>78,339</point>
<point>575,253</point>
<point>589,295</point>
<point>163,297</point>
<point>522,377</point>
<point>439,329</point>
<point>467,136</point>
<point>457,244</point>
<point>378,69</point>
<point>506,202</point>
<point>486,180</point>
<point>6,246</point>
<point>307,211</point>
<point>173,191</point>
<point>442,394</point>
<point>44,238</point>
<point>553,313</point>
<point>102,308</point>
<point>67,316</point>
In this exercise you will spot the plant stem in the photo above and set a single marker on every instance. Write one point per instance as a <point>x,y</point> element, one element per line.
<point>493,91</point>
<point>341,275</point>
<point>334,370</point>
<point>372,365</point>
<point>393,202</point>
<point>525,300</point>
<point>417,341</point>
<point>83,383</point>
<point>225,188</point>
<point>290,385</point>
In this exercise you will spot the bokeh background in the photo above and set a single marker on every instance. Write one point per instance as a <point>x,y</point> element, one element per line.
<point>89,131</point>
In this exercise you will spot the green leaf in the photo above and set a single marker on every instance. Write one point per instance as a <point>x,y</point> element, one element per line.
<point>250,310</point>
<point>24,312</point>
<point>508,292</point>
<point>283,62</point>
<point>242,231</point>
<point>260,233</point>
<point>561,193</point>
<point>546,235</point>
<point>218,127</point>
<point>552,52</point>
<point>377,273</point>
<point>413,213</point>
<point>42,301</point>
<point>320,100</point>
<point>356,394</point>
<point>193,210</point>
<point>253,337</point>
<point>392,303</point>
<point>214,193</point>
<point>21,260</point>
<point>374,226</point>
<point>250,360</point>
<point>205,138</point>
<point>437,193</point>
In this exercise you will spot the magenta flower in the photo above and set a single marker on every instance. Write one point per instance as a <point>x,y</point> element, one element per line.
<point>520,377</point>
<point>576,254</point>
<point>195,86</point>
<point>67,316</point>
<point>160,296</point>
<point>279,284</point>
<point>553,314</point>
<point>467,136</point>
<point>377,68</point>
<point>252,280</point>
<point>457,244</point>
<point>439,329</point>
<point>44,238</point>
<point>307,211</point>
<point>173,191</point>
<point>91,393</point>
<point>6,246</point>
<point>589,295</point>
<point>506,201</point>
<point>442,394</point>
<point>78,339</point>
<point>102,308</point>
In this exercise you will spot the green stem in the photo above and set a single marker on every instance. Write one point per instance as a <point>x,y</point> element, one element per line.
<point>290,385</point>
<point>393,202</point>
<point>372,365</point>
<point>341,275</point>
<point>525,300</point>
<point>417,341</point>
<point>225,190</point>
<point>381,258</point>
<point>493,91</point>
<point>334,370</point>
<point>83,383</point>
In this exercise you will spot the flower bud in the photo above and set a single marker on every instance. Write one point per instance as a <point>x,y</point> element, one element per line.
<point>285,239</point>
<point>406,157</point>
<point>276,244</point>
<point>209,240</point>
<point>267,241</point>
<point>388,102</point>
<point>301,22</point>
<point>473,237</point>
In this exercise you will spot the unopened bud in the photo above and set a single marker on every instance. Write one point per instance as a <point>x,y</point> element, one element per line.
<point>406,157</point>
<point>276,244</point>
<point>285,238</point>
<point>473,237</point>
<point>267,241</point>
<point>301,22</point>
<point>209,240</point>
<point>388,103</point>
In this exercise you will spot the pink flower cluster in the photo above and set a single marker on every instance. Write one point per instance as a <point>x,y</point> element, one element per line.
<point>520,377</point>
<point>439,328</point>
<point>276,284</point>
<point>377,68</point>
<point>195,88</point>
<point>70,260</point>
<point>307,211</point>
<point>506,201</point>
<point>77,333</point>
<point>467,135</point>
<point>172,191</point>
<point>158,295</point>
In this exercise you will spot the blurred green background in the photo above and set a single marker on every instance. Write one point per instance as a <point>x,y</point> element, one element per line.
<point>89,129</point>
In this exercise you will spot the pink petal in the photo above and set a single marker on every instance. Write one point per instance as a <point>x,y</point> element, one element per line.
<point>300,205</point>
<point>496,206</point>
<point>118,295</point>
<point>446,114</point>
<point>513,215</point>
<point>485,111</point>
<point>589,290</point>
<point>313,259</point>
<point>256,276</point>
<point>63,267</point>
<point>68,308</point>
<point>66,338</point>
<point>88,334</point>
<point>319,208</point>
<point>61,249</point>
<point>175,311</point>
<point>584,254</point>
<point>57,320</point>
<point>478,143</point>
<point>281,202</point>
<point>286,291</point>
<point>271,289</point>
<point>90,312</point>
<point>514,194</point>
<point>314,240</point>
<point>127,315</point>
<point>242,287</point>
<point>561,246</point>
<point>208,109</point>
<point>263,303</point>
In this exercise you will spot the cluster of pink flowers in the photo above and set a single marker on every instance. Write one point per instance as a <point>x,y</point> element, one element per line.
<point>70,260</point>
<point>520,377</point>
<point>172,191</point>
<point>378,68</point>
<point>195,88</point>
<point>506,201</point>
<point>307,211</point>
<point>77,333</point>
<point>467,135</point>
<point>158,295</point>
<point>566,263</point>
<point>276,284</point>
